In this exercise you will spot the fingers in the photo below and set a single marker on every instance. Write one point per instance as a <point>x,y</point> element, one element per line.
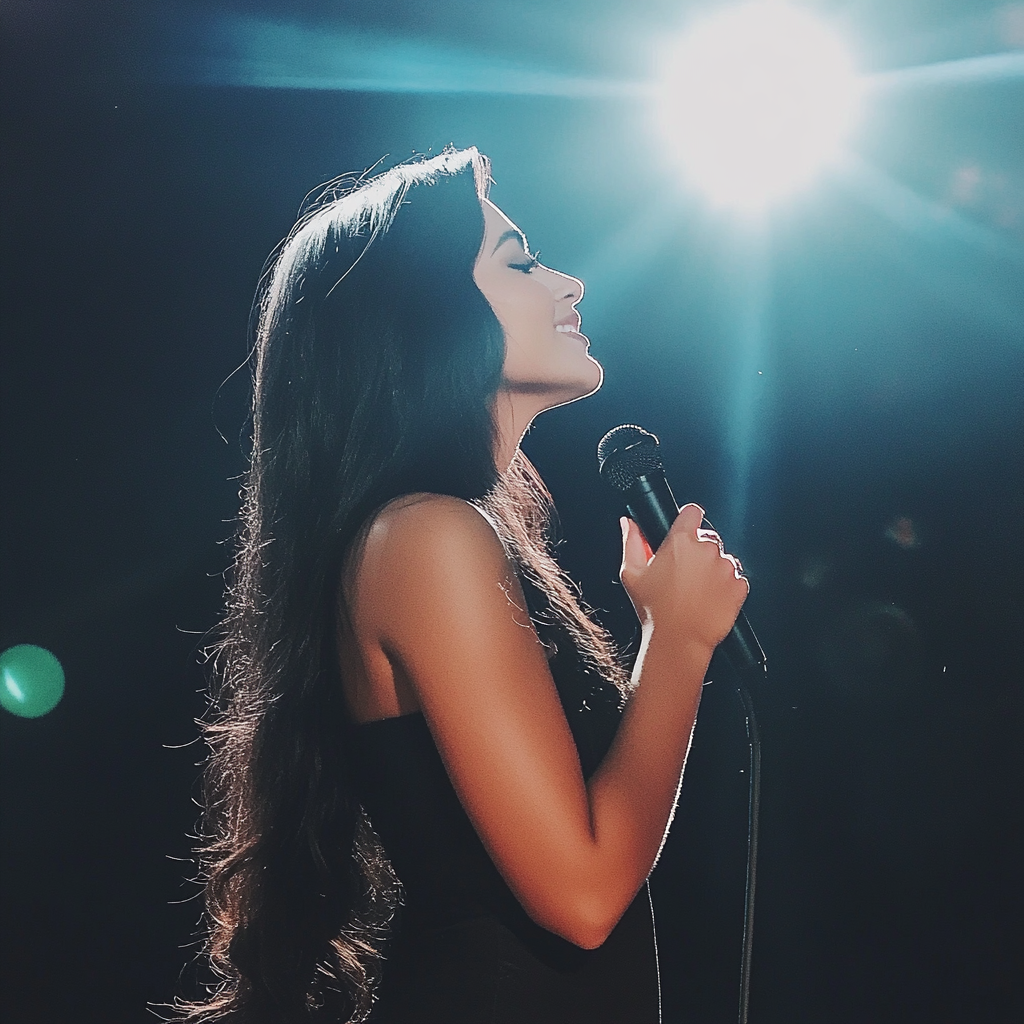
<point>737,569</point>
<point>712,537</point>
<point>637,553</point>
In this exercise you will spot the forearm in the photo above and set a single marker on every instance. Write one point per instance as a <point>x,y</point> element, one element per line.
<point>633,794</point>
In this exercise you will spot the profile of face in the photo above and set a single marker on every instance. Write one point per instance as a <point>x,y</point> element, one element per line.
<point>546,357</point>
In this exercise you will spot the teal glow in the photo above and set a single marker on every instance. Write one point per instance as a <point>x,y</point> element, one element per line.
<point>33,681</point>
<point>744,429</point>
<point>970,267</point>
<point>624,256</point>
<point>993,67</point>
<point>265,54</point>
<point>910,211</point>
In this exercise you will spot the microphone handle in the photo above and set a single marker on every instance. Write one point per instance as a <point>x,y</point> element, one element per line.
<point>652,506</point>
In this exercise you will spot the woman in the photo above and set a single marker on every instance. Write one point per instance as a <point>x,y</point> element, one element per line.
<point>403,659</point>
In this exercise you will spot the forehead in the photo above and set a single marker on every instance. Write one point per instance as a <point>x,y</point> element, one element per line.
<point>496,223</point>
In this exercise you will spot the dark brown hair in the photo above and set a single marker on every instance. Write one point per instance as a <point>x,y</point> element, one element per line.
<point>376,361</point>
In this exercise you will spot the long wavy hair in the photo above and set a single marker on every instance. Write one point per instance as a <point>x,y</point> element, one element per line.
<point>376,361</point>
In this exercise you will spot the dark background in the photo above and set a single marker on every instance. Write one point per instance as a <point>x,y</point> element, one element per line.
<point>881,524</point>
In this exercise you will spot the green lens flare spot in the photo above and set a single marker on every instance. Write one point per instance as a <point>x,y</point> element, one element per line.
<point>31,681</point>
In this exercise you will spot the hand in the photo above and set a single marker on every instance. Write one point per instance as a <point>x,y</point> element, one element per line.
<point>691,587</point>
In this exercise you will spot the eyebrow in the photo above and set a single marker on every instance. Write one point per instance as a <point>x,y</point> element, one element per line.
<point>511,233</point>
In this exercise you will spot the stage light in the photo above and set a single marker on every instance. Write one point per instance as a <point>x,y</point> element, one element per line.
<point>31,681</point>
<point>755,100</point>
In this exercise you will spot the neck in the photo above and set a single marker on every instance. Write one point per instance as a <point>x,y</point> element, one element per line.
<point>513,414</point>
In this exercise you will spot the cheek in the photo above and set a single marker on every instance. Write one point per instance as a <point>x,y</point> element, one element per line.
<point>520,305</point>
<point>529,308</point>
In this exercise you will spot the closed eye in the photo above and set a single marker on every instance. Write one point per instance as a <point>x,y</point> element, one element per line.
<point>531,262</point>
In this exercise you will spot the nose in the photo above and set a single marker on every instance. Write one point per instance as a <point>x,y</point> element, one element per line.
<point>567,287</point>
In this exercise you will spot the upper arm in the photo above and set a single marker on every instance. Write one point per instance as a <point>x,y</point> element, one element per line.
<point>435,587</point>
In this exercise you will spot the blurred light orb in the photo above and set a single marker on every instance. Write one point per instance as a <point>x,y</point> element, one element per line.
<point>31,681</point>
<point>904,533</point>
<point>755,100</point>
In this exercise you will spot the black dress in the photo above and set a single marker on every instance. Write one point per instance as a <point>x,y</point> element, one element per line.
<point>463,949</point>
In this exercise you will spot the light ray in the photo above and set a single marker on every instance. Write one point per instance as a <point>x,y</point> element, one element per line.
<point>623,256</point>
<point>952,272</point>
<point>993,67</point>
<point>258,53</point>
<point>912,212</point>
<point>744,428</point>
<point>261,53</point>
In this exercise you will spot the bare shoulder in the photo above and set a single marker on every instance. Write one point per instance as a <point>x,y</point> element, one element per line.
<point>429,522</point>
<point>425,548</point>
<point>420,536</point>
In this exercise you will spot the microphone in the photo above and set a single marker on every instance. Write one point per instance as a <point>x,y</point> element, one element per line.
<point>629,460</point>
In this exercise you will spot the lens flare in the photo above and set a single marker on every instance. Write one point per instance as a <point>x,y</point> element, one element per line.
<point>31,681</point>
<point>755,101</point>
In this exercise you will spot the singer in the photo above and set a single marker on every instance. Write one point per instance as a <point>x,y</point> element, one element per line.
<point>433,794</point>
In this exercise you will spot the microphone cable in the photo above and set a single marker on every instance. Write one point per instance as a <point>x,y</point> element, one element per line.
<point>629,461</point>
<point>753,820</point>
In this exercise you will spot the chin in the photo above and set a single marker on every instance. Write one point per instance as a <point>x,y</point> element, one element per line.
<point>595,378</point>
<point>586,383</point>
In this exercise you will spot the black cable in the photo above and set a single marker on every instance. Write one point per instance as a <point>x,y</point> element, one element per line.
<point>629,460</point>
<point>753,813</point>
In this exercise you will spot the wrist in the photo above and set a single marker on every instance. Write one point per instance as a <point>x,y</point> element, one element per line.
<point>686,653</point>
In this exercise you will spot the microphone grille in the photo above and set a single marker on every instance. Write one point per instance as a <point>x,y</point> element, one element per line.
<point>626,453</point>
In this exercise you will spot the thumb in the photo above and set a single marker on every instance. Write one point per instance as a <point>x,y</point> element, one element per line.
<point>636,552</point>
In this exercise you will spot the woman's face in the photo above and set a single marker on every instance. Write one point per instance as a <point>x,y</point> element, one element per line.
<point>545,353</point>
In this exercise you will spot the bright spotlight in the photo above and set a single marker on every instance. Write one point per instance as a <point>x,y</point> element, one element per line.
<point>755,100</point>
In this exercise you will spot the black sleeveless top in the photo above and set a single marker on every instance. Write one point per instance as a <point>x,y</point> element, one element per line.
<point>463,949</point>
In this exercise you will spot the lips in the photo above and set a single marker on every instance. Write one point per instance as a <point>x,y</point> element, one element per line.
<point>571,329</point>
